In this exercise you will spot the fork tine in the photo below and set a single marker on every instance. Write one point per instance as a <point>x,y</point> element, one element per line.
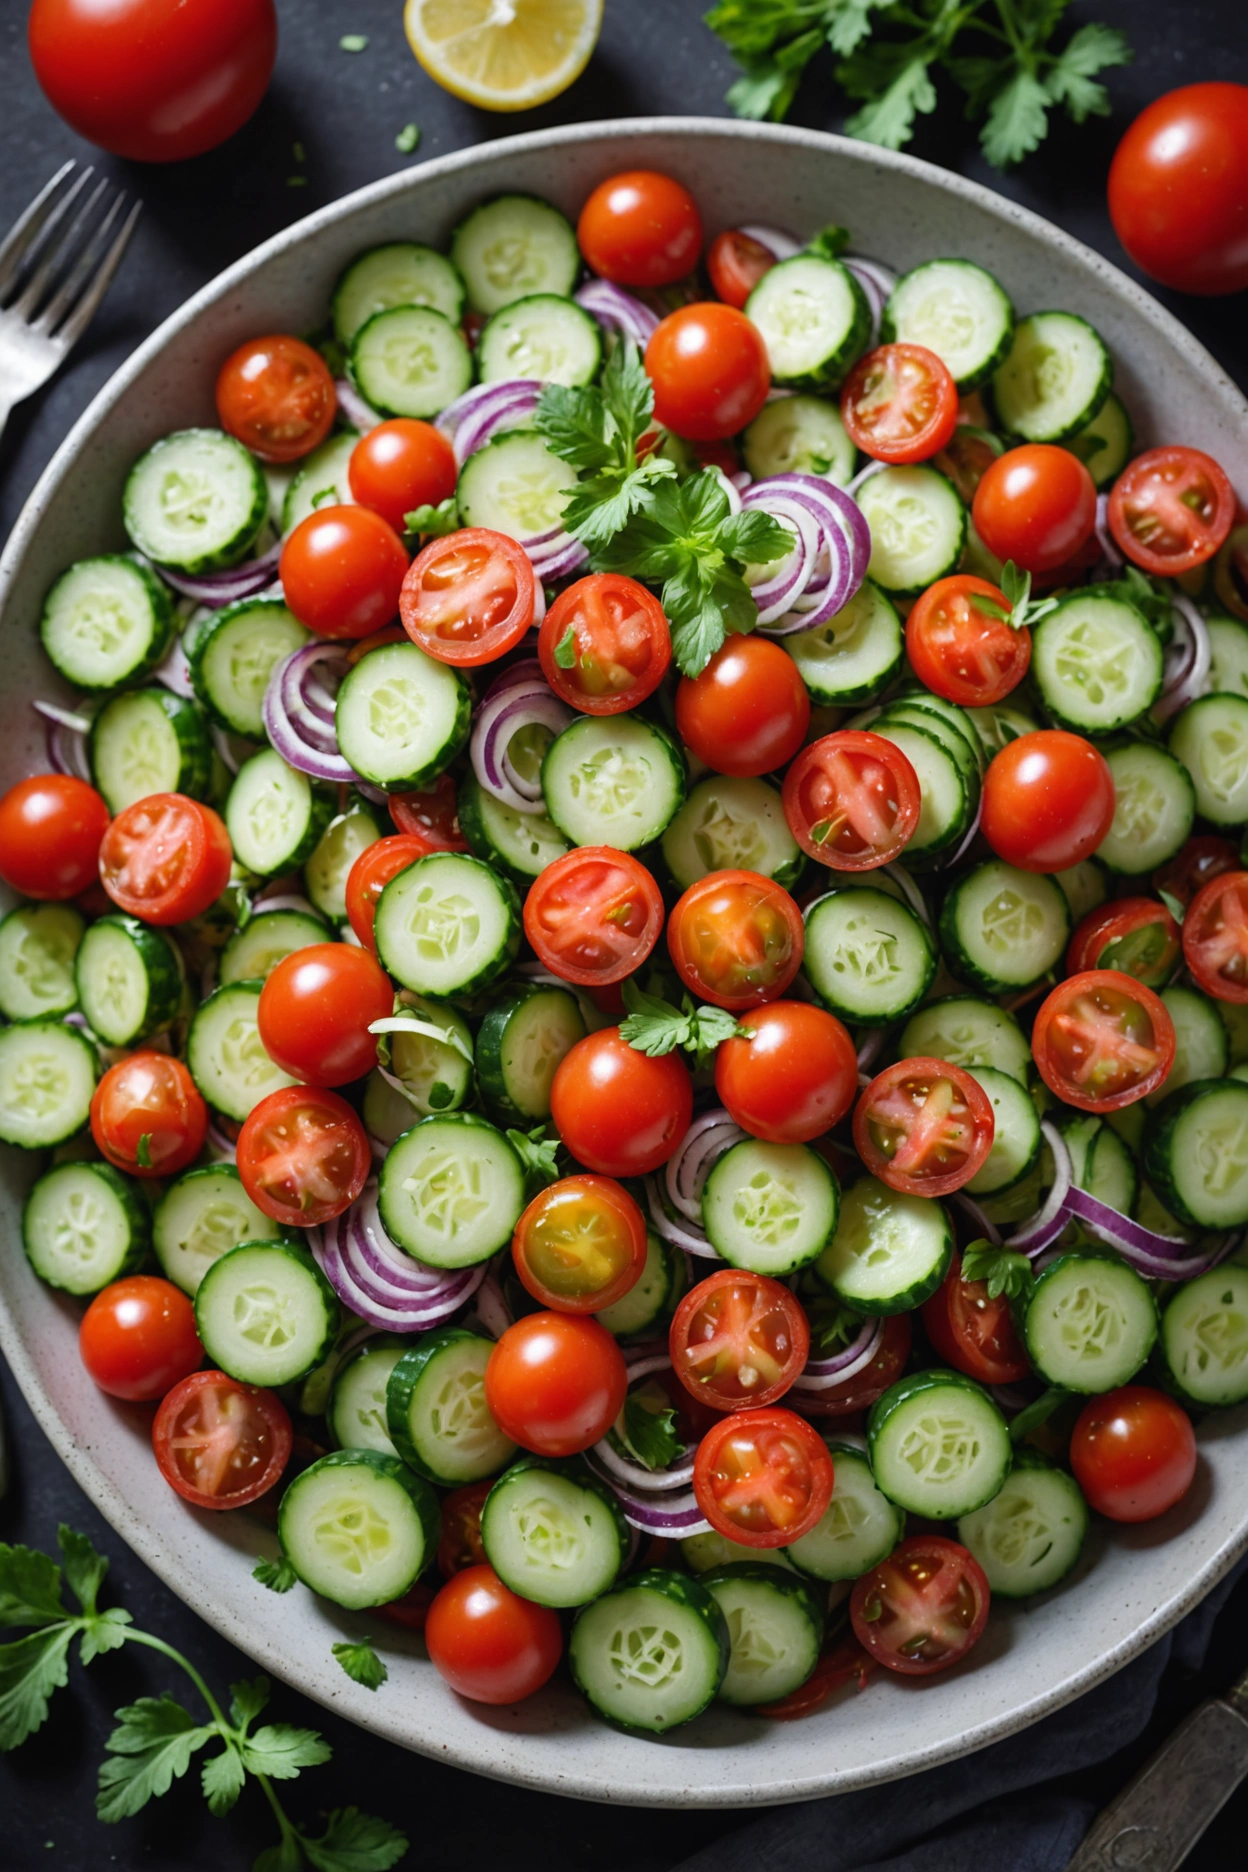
<point>84,311</point>
<point>76,258</point>
<point>58,253</point>
<point>25,230</point>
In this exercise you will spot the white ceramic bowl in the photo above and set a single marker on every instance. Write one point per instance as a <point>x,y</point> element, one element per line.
<point>1132,1586</point>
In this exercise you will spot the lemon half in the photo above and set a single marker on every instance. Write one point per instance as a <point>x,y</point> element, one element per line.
<point>504,55</point>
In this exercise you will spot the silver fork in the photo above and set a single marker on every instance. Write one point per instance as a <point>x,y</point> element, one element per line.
<point>55,266</point>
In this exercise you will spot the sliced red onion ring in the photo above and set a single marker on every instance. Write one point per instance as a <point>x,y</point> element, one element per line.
<point>223,1145</point>
<point>271,898</point>
<point>491,1308</point>
<point>641,1365</point>
<point>527,670</point>
<point>870,1046</point>
<point>175,671</point>
<point>989,1230</point>
<point>706,1140</point>
<point>1157,1256</point>
<point>617,311</point>
<point>967,840</point>
<point>776,240</point>
<point>684,1234</point>
<point>864,474</point>
<point>672,1515</point>
<point>837,569</point>
<point>378,1281</point>
<point>215,589</point>
<point>66,740</point>
<point>822,1374</point>
<point>353,408</point>
<point>221,741</point>
<point>481,412</point>
<point>1042,1229</point>
<point>505,711</point>
<point>1110,550</point>
<point>877,282</point>
<point>302,740</point>
<point>1187,661</point>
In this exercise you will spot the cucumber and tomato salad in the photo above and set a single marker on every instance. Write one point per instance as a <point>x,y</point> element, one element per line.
<point>594,1018</point>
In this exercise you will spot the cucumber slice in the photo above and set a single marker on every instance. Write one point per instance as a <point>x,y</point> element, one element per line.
<point>1105,444</point>
<point>1096,661</point>
<point>1055,379</point>
<point>195,501</point>
<point>799,435</point>
<point>436,1413</point>
<point>274,815</point>
<point>1201,1048</point>
<point>553,1532</point>
<point>403,273</point>
<point>235,655</point>
<point>957,310</point>
<point>1228,668</point>
<point>1030,1535</point>
<point>702,1553</point>
<point>515,485</point>
<point>1154,809</point>
<point>958,739</point>
<point>521,1043</point>
<point>225,1054</point>
<point>83,1226</point>
<point>998,725</point>
<point>1090,1322</point>
<point>859,1528</point>
<point>868,957</point>
<point>106,621</point>
<point>266,1313</point>
<point>401,716</point>
<point>323,480</point>
<point>965,1031</point>
<point>356,1413</point>
<point>1084,886</point>
<point>1204,1338</point>
<point>451,1190</point>
<point>771,1208</point>
<point>1002,928</point>
<point>938,1445</point>
<point>253,952</point>
<point>918,527</point>
<point>814,320</point>
<point>653,1299</point>
<point>545,337</point>
<point>1196,1153</point>
<point>1016,1138</point>
<point>410,361</point>
<point>652,1653</point>
<point>511,247</point>
<point>148,741</point>
<point>447,925</point>
<point>519,844</point>
<point>856,654</point>
<point>775,1628</point>
<point>129,978</point>
<point>47,1076</point>
<point>201,1216</point>
<point>326,872</point>
<point>731,824</point>
<point>436,1074</point>
<point>613,780</point>
<point>1210,737</point>
<point>359,1528</point>
<point>946,802</point>
<point>889,1251</point>
<point>38,944</point>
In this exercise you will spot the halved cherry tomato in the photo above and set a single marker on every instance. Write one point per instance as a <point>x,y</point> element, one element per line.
<point>430,814</point>
<point>1036,505</point>
<point>401,465</point>
<point>489,1644</point>
<point>736,262</point>
<point>972,1332</point>
<point>370,874</point>
<point>166,858</point>
<point>923,1608</point>
<point>580,1245</point>
<point>555,1383</point>
<point>593,916</point>
<point>1215,937</point>
<point>737,938</point>
<point>1170,509</point>
<point>148,1117</point>
<point>1133,1452</point>
<point>852,800</point>
<point>967,456</point>
<point>219,1443</point>
<point>748,711</point>
<point>899,403</point>
<point>460,1544</point>
<point>640,228</point>
<point>963,649</point>
<point>138,1338</point>
<point>841,1664</point>
<point>1048,800</point>
<point>314,1013</point>
<point>868,1386</point>
<point>469,597</point>
<point>277,396</point>
<point>1200,860</point>
<point>924,1127</point>
<point>303,1155</point>
<point>710,372</point>
<point>617,1110</point>
<point>605,645</point>
<point>50,831</point>
<point>794,1079</point>
<point>342,570</point>
<point>1102,1040</point>
<point>1136,935</point>
<point>763,1477</point>
<point>738,1339</point>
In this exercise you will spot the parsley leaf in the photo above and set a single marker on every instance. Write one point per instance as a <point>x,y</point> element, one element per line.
<point>30,1588</point>
<point>354,1842</point>
<point>30,1671</point>
<point>361,1664</point>
<point>107,1632</point>
<point>153,1744</point>
<point>1093,49</point>
<point>223,1778</point>
<point>278,1575</point>
<point>596,431</point>
<point>434,522</point>
<point>650,1435</point>
<point>84,1567</point>
<point>1018,611</point>
<point>565,649</point>
<point>538,1154</point>
<point>280,1751</point>
<point>654,1027</point>
<point>247,1699</point>
<point>833,1326</point>
<point>1003,1271</point>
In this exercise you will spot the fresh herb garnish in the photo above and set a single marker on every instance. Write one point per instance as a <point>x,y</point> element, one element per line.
<point>408,138</point>
<point>650,1435</point>
<point>143,1151</point>
<point>565,649</point>
<point>434,522</point>
<point>830,242</point>
<point>1001,1270</point>
<point>353,42</point>
<point>596,430</point>
<point>655,1027</point>
<point>361,1664</point>
<point>1019,611</point>
<point>833,1326</point>
<point>539,1156</point>
<point>278,1575</point>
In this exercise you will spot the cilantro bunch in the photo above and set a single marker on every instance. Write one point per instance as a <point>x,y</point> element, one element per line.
<point>1000,54</point>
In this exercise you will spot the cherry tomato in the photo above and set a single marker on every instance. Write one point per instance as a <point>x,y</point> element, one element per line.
<point>277,396</point>
<point>555,1383</point>
<point>1171,509</point>
<point>1048,800</point>
<point>1035,505</point>
<point>963,649</point>
<point>924,1127</point>
<point>580,1245</point>
<point>845,1661</point>
<point>593,916</point>
<point>618,1111</point>
<point>737,938</point>
<point>1200,860</point>
<point>1135,935</point>
<point>469,597</point>
<point>640,228</point>
<point>709,368</point>
<point>794,1080</point>
<point>604,644</point>
<point>401,465</point>
<point>899,403</point>
<point>342,570</point>
<point>430,814</point>
<point>154,80</point>
<point>762,1477</point>
<point>165,859</point>
<point>736,262</point>
<point>1215,937</point>
<point>147,1116</point>
<point>138,1338</point>
<point>868,1386</point>
<point>303,1155</point>
<point>973,1333</point>
<point>489,1644</point>
<point>748,711</point>
<point>1102,1040</point>
<point>852,800</point>
<point>738,1339</point>
<point>50,831</point>
<point>1133,1452</point>
<point>923,1608</point>
<point>315,1009</point>
<point>219,1443</point>
<point>1178,189</point>
<point>370,874</point>
<point>460,1544</point>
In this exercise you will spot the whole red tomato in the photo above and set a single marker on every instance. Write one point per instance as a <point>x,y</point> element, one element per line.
<point>709,368</point>
<point>1178,189</point>
<point>487,1642</point>
<point>748,711</point>
<point>156,80</point>
<point>617,1110</point>
<point>556,1383</point>
<point>315,1011</point>
<point>1133,1452</point>
<point>50,831</point>
<point>1048,800</point>
<point>1035,504</point>
<point>138,1338</point>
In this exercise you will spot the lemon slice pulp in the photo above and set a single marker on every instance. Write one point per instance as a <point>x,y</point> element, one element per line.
<point>503,55</point>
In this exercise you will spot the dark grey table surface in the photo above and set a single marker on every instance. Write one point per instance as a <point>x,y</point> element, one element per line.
<point>327,126</point>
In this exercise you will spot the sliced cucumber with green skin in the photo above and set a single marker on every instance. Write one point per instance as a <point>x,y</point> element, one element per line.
<point>653,1298</point>
<point>196,501</point>
<point>38,944</point>
<point>436,1413</point>
<point>954,717</point>
<point>403,273</point>
<point>84,1225</point>
<point>359,1528</point>
<point>799,435</point>
<point>553,1532</point>
<point>1096,661</point>
<point>957,310</point>
<point>918,527</point>
<point>1016,1137</point>
<point>326,872</point>
<point>202,1215</point>
<point>859,1528</point>
<point>959,744</point>
<point>652,1653</point>
<point>521,1042</point>
<point>1204,1338</point>
<point>965,1031</point>
<point>47,1077</point>
<point>1002,928</point>
<point>889,1251</point>
<point>868,957</point>
<point>225,1055</point>
<point>946,802</point>
<point>451,1190</point>
<point>1090,1322</point>
<point>401,716</point>
<point>519,844</point>
<point>702,1553</point>
<point>265,1313</point>
<point>512,246</point>
<point>129,978</point>
<point>387,1114</point>
<point>938,1445</point>
<point>998,725</point>
<point>613,780</point>
<point>106,621</point>
<point>253,952</point>
<point>148,741</point>
<point>515,485</point>
<point>856,654</point>
<point>235,655</point>
<point>1196,1153</point>
<point>435,1068</point>
<point>322,481</point>
<point>1228,668</point>
<point>1030,1535</point>
<point>356,1412</point>
<point>771,1208</point>
<point>1055,378</point>
<point>1154,809</point>
<point>731,824</point>
<point>274,815</point>
<point>1105,444</point>
<point>813,318</point>
<point>448,925</point>
<point>775,1628</point>
<point>410,361</point>
<point>546,337</point>
<point>1201,1048</point>
<point>1210,737</point>
<point>1084,886</point>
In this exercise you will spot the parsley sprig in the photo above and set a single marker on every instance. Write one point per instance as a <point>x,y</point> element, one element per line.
<point>648,1429</point>
<point>1000,53</point>
<point>1001,1270</point>
<point>596,430</point>
<point>655,1027</point>
<point>1020,610</point>
<point>156,1738</point>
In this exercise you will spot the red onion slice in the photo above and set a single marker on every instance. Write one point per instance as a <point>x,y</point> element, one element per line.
<point>1157,1256</point>
<point>216,589</point>
<point>617,311</point>
<point>614,1468</point>
<point>706,1140</point>
<point>1110,550</point>
<point>500,718</point>
<point>221,741</point>
<point>692,1237</point>
<point>777,241</point>
<point>174,673</point>
<point>302,741</point>
<point>1044,1227</point>
<point>914,897</point>
<point>67,734</point>
<point>822,1374</point>
<point>877,282</point>
<point>359,414</point>
<point>674,1516</point>
<point>471,420</point>
<point>490,1306</point>
<point>1187,660</point>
